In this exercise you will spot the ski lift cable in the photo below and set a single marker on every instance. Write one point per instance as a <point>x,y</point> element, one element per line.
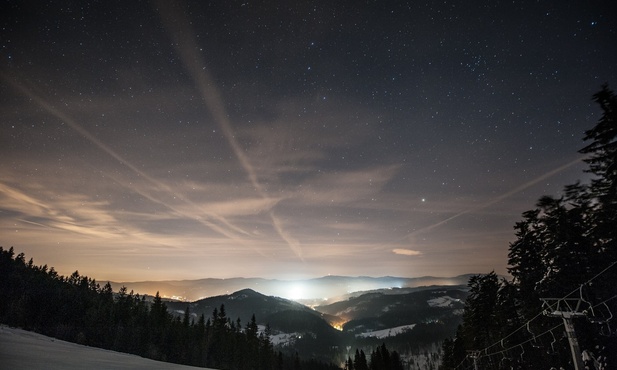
<point>590,280</point>
<point>534,336</point>
<point>521,344</point>
<point>459,365</point>
<point>541,312</point>
<point>605,301</point>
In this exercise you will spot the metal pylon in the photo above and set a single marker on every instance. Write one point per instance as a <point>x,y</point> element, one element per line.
<point>568,309</point>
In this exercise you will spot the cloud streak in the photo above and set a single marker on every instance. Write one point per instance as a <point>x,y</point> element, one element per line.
<point>496,199</point>
<point>177,23</point>
<point>226,229</point>
<point>406,252</point>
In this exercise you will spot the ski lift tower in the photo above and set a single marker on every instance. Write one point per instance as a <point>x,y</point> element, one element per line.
<point>474,355</point>
<point>568,309</point>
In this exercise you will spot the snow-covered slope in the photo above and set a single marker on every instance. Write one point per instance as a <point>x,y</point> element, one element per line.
<point>24,350</point>
<point>384,333</point>
<point>443,301</point>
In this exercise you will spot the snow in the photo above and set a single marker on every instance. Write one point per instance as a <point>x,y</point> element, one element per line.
<point>238,297</point>
<point>20,349</point>
<point>444,301</point>
<point>280,339</point>
<point>284,339</point>
<point>386,332</point>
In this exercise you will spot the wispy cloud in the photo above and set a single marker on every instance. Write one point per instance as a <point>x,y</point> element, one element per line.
<point>342,187</point>
<point>499,198</point>
<point>406,252</point>
<point>177,23</point>
<point>208,219</point>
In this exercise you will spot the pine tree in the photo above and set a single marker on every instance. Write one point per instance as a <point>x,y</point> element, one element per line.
<point>603,153</point>
<point>360,362</point>
<point>297,364</point>
<point>560,245</point>
<point>349,364</point>
<point>602,162</point>
<point>186,318</point>
<point>479,315</point>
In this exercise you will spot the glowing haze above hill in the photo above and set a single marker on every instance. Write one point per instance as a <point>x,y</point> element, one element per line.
<point>149,141</point>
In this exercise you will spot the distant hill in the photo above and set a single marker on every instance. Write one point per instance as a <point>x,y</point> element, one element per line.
<point>242,304</point>
<point>404,318</point>
<point>308,291</point>
<point>307,331</point>
<point>380,310</point>
<point>410,315</point>
<point>412,321</point>
<point>282,315</point>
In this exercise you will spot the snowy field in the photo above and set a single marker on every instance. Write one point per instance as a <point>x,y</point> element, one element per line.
<point>444,301</point>
<point>384,333</point>
<point>20,349</point>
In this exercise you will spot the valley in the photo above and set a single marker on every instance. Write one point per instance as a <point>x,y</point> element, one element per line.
<point>412,321</point>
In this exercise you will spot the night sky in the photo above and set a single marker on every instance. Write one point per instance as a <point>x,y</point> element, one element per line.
<point>150,141</point>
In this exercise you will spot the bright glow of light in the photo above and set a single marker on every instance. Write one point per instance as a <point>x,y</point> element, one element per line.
<point>296,292</point>
<point>338,325</point>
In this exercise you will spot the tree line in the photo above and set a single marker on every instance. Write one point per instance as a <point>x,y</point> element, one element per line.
<point>78,309</point>
<point>380,359</point>
<point>566,247</point>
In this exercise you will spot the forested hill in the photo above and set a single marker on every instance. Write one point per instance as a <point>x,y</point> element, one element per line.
<point>77,309</point>
<point>243,304</point>
<point>564,264</point>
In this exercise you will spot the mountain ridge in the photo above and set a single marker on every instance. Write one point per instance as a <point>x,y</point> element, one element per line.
<point>322,288</point>
<point>410,317</point>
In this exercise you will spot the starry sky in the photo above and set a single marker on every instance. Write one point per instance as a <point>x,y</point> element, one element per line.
<point>183,140</point>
